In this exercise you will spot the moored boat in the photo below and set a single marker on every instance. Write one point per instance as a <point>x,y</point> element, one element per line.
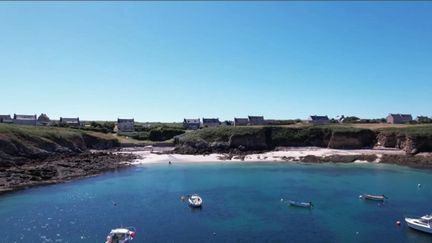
<point>300,204</point>
<point>423,224</point>
<point>373,197</point>
<point>121,235</point>
<point>195,201</point>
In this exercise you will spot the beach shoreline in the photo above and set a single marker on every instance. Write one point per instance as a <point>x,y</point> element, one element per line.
<point>281,154</point>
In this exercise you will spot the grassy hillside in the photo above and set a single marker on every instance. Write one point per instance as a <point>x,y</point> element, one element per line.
<point>20,142</point>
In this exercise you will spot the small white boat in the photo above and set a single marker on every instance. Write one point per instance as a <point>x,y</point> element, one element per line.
<point>121,235</point>
<point>195,201</point>
<point>423,224</point>
<point>373,197</point>
<point>300,204</point>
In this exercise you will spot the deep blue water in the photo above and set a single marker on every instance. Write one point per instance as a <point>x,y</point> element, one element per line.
<point>241,204</point>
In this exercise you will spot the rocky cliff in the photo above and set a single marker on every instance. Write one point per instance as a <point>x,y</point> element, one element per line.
<point>412,141</point>
<point>19,144</point>
<point>240,139</point>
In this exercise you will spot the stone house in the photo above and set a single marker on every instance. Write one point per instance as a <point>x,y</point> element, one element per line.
<point>6,119</point>
<point>210,122</point>
<point>318,120</point>
<point>398,118</point>
<point>256,120</point>
<point>43,119</point>
<point>241,121</point>
<point>25,119</point>
<point>191,123</point>
<point>125,125</point>
<point>72,122</point>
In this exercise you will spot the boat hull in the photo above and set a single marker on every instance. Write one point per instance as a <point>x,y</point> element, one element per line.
<point>300,204</point>
<point>420,227</point>
<point>374,198</point>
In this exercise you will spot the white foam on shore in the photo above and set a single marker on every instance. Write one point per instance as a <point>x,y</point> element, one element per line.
<point>286,154</point>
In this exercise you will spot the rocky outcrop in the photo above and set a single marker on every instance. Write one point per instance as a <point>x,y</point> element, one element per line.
<point>410,143</point>
<point>58,168</point>
<point>256,141</point>
<point>352,140</point>
<point>267,138</point>
<point>19,148</point>
<point>418,161</point>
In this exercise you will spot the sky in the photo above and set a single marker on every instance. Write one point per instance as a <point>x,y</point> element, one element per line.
<point>164,61</point>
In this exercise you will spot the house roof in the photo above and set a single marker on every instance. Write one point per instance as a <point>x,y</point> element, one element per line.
<point>237,120</point>
<point>192,121</point>
<point>69,120</point>
<point>25,117</point>
<point>256,117</point>
<point>210,120</point>
<point>43,117</point>
<point>119,120</point>
<point>319,118</point>
<point>401,115</point>
<point>8,117</point>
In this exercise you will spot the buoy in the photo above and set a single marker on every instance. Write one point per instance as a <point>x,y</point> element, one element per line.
<point>398,222</point>
<point>214,233</point>
<point>419,185</point>
<point>281,199</point>
<point>361,196</point>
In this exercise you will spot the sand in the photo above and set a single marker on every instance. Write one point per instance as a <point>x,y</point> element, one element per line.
<point>280,154</point>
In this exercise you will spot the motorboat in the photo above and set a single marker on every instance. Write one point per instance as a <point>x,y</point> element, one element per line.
<point>300,204</point>
<point>423,224</point>
<point>121,235</point>
<point>195,201</point>
<point>373,197</point>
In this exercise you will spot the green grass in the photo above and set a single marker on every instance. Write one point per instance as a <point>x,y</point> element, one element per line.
<point>413,130</point>
<point>217,134</point>
<point>11,130</point>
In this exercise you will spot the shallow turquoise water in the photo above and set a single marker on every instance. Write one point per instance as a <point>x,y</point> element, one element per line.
<point>241,204</point>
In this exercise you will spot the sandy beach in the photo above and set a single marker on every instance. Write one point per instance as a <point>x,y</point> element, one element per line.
<point>147,156</point>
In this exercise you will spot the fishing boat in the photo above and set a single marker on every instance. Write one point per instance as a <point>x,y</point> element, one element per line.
<point>423,224</point>
<point>373,197</point>
<point>121,235</point>
<point>195,201</point>
<point>300,204</point>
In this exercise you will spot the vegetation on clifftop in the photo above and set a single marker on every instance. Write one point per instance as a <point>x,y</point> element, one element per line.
<point>19,142</point>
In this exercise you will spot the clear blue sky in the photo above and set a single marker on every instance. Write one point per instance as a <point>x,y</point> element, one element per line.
<point>163,61</point>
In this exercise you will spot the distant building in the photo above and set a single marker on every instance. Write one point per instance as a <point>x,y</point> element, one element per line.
<point>256,120</point>
<point>125,125</point>
<point>398,118</point>
<point>6,119</point>
<point>191,123</point>
<point>210,122</point>
<point>72,122</point>
<point>241,121</point>
<point>423,119</point>
<point>318,120</point>
<point>25,119</point>
<point>43,120</point>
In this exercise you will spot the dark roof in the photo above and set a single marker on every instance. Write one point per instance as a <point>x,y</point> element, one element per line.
<point>401,115</point>
<point>8,117</point>
<point>319,118</point>
<point>69,120</point>
<point>210,120</point>
<point>25,117</point>
<point>256,117</point>
<point>241,119</point>
<point>191,120</point>
<point>43,117</point>
<point>119,120</point>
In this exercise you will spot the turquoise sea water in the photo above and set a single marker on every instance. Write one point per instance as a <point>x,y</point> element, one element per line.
<point>241,204</point>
